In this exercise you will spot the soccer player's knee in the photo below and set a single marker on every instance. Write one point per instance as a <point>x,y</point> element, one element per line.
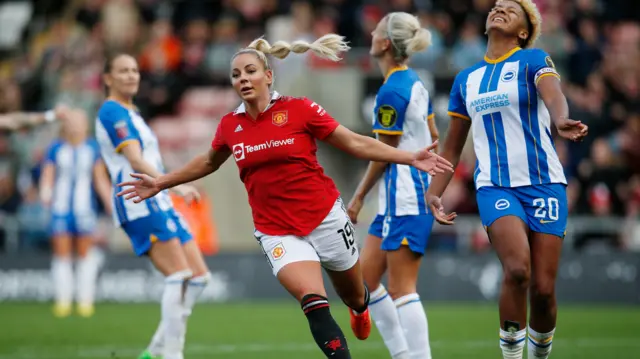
<point>543,291</point>
<point>518,274</point>
<point>399,290</point>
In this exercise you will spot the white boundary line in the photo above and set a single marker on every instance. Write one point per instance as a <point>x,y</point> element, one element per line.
<point>124,352</point>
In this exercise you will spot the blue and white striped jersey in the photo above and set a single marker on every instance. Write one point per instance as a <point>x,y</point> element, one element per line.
<point>116,126</point>
<point>402,108</point>
<point>510,123</point>
<point>73,192</point>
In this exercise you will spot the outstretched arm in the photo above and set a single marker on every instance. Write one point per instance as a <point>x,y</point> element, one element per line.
<point>197,168</point>
<point>145,186</point>
<point>368,148</point>
<point>17,120</point>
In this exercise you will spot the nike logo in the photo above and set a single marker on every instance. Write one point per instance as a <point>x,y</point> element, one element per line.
<point>544,221</point>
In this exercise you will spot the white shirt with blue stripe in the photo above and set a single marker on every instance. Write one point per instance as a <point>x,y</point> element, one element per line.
<point>402,108</point>
<point>73,192</point>
<point>116,126</point>
<point>509,121</point>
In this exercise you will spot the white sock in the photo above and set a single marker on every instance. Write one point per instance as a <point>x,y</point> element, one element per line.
<point>414,322</point>
<point>173,325</point>
<point>195,287</point>
<point>512,344</point>
<point>385,315</point>
<point>62,272</point>
<point>87,274</point>
<point>156,345</point>
<point>539,346</point>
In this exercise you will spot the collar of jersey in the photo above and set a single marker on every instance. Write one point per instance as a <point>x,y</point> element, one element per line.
<point>395,69</point>
<point>129,106</point>
<point>274,96</point>
<point>503,57</point>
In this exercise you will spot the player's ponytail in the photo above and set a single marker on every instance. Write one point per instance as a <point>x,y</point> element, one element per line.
<point>328,47</point>
<point>419,42</point>
<point>406,35</point>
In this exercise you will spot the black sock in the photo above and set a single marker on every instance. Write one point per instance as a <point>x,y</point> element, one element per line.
<point>324,328</point>
<point>366,301</point>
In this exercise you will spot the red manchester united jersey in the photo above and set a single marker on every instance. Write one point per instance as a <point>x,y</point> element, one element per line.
<point>289,193</point>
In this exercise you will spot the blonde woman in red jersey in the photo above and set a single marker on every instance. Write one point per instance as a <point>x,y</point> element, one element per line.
<point>300,220</point>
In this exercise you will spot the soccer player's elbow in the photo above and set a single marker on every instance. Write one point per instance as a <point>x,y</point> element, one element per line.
<point>357,145</point>
<point>137,164</point>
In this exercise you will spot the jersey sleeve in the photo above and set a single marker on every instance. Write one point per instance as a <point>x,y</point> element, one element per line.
<point>318,121</point>
<point>50,155</point>
<point>117,122</point>
<point>457,103</point>
<point>540,66</point>
<point>389,112</point>
<point>219,142</point>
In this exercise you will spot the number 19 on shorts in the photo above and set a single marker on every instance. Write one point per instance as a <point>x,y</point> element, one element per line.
<point>348,235</point>
<point>547,210</point>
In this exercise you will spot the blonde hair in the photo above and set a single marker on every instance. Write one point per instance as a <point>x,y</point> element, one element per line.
<point>327,47</point>
<point>406,35</point>
<point>534,18</point>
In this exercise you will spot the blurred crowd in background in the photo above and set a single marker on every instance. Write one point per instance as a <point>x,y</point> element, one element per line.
<point>53,51</point>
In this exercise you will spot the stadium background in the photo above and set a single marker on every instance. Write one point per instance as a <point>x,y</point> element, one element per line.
<point>52,51</point>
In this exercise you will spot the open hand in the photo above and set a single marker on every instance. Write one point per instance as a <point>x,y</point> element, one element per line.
<point>437,210</point>
<point>353,209</point>
<point>572,130</point>
<point>429,162</point>
<point>138,190</point>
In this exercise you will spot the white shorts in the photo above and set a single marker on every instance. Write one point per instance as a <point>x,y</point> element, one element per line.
<point>332,244</point>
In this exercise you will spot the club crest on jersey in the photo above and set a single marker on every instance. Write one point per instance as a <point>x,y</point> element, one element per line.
<point>508,76</point>
<point>279,118</point>
<point>549,62</point>
<point>387,116</point>
<point>278,252</point>
<point>122,130</point>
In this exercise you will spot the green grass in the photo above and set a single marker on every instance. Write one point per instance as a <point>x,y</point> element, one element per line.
<point>279,330</point>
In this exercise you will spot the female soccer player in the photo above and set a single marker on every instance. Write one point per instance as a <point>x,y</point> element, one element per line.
<point>127,144</point>
<point>403,118</point>
<point>73,173</point>
<point>299,217</point>
<point>509,100</point>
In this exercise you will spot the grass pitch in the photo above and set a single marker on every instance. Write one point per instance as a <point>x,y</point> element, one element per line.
<point>279,330</point>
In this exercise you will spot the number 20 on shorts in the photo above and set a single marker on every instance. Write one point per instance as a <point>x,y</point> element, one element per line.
<point>548,208</point>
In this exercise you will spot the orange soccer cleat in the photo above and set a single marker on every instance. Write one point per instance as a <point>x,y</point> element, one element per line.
<point>361,324</point>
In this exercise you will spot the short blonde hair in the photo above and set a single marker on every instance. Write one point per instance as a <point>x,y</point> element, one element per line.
<point>534,18</point>
<point>327,47</point>
<point>406,35</point>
